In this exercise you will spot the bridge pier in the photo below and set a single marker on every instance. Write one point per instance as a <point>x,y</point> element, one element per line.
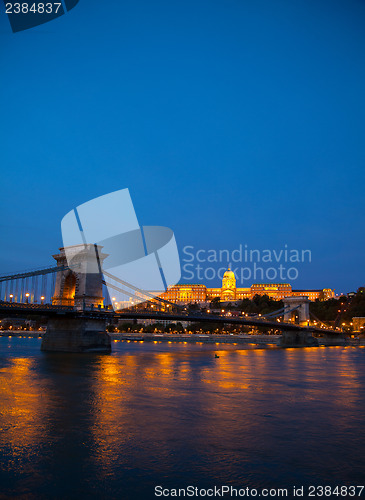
<point>76,335</point>
<point>334,339</point>
<point>293,338</point>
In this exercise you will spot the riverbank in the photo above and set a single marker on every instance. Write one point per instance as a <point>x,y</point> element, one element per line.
<point>211,338</point>
<point>21,334</point>
<point>261,340</point>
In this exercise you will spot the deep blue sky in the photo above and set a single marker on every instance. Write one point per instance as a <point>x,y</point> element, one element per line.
<point>230,121</point>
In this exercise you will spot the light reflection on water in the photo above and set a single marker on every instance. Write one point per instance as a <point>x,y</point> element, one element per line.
<point>97,426</point>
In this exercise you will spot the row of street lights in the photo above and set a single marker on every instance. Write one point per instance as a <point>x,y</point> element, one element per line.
<point>27,295</point>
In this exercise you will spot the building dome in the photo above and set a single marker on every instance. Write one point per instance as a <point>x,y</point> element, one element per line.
<point>229,274</point>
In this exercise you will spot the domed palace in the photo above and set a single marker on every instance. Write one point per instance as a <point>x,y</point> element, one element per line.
<point>200,294</point>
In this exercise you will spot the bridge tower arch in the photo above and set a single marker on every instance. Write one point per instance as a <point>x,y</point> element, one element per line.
<point>300,304</point>
<point>78,287</point>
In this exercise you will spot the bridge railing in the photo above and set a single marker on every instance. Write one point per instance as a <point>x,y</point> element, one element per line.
<point>32,306</point>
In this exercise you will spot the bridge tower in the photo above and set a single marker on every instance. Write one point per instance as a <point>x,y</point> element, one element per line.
<point>79,283</point>
<point>302,311</point>
<point>78,287</point>
<point>297,306</point>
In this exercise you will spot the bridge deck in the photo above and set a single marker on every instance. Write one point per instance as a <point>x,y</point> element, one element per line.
<point>17,309</point>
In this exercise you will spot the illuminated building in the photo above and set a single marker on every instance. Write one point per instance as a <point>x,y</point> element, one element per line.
<point>186,293</point>
<point>359,324</point>
<point>229,292</point>
<point>276,291</point>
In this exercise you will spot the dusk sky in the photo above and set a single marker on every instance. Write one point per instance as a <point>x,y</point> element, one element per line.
<point>231,122</point>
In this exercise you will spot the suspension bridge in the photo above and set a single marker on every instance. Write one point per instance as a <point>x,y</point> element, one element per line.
<point>77,306</point>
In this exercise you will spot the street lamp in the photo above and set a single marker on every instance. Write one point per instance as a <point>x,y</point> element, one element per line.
<point>27,298</point>
<point>42,299</point>
<point>11,297</point>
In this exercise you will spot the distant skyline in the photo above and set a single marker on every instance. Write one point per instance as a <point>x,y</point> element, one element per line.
<point>231,122</point>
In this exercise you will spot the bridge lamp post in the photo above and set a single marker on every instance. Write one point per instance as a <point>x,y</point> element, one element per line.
<point>11,297</point>
<point>27,298</point>
<point>42,299</point>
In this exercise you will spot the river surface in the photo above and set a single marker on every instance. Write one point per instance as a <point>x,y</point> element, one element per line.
<point>115,426</point>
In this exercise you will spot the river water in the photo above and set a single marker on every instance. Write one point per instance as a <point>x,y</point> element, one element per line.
<point>115,426</point>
